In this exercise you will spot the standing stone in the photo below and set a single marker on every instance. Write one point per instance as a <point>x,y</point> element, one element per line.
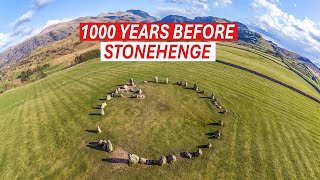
<point>186,154</point>
<point>98,130</point>
<point>156,79</point>
<point>198,153</point>
<point>125,86</point>
<point>220,123</point>
<point>171,159</point>
<point>121,95</point>
<point>133,159</point>
<point>181,83</point>
<point>212,96</point>
<point>162,160</point>
<point>209,145</point>
<point>131,83</point>
<point>103,105</point>
<point>102,112</point>
<point>109,147</point>
<point>195,87</point>
<point>109,97</point>
<point>139,91</point>
<point>186,84</point>
<point>167,80</point>
<point>142,160</point>
<point>116,91</point>
<point>100,143</point>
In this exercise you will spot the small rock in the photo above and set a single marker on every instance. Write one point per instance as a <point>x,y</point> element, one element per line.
<point>220,123</point>
<point>186,154</point>
<point>121,95</point>
<point>98,130</point>
<point>109,97</point>
<point>139,91</point>
<point>195,87</point>
<point>219,107</point>
<point>209,145</point>
<point>198,153</point>
<point>100,143</point>
<point>146,82</point>
<point>125,86</point>
<point>156,79</point>
<point>103,105</point>
<point>212,96</point>
<point>162,160</point>
<point>167,80</point>
<point>186,84</point>
<point>142,160</point>
<point>171,159</point>
<point>133,159</point>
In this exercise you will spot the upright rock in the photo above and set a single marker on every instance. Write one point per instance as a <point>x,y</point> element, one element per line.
<point>167,80</point>
<point>209,145</point>
<point>171,159</point>
<point>162,160</point>
<point>212,96</point>
<point>102,112</point>
<point>103,105</point>
<point>156,79</point>
<point>139,91</point>
<point>142,160</point>
<point>133,159</point>
<point>186,84</point>
<point>109,97</point>
<point>186,154</point>
<point>195,87</point>
<point>198,153</point>
<point>98,130</point>
<point>109,147</point>
<point>131,83</point>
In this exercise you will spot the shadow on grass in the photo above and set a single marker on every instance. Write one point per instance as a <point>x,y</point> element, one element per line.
<point>94,145</point>
<point>204,97</point>
<point>94,114</point>
<point>202,146</point>
<point>103,99</point>
<point>116,160</point>
<point>91,131</point>
<point>214,124</point>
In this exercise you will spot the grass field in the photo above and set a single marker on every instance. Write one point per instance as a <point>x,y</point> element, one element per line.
<point>271,131</point>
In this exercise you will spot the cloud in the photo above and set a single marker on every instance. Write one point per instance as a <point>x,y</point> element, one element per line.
<point>195,3</point>
<point>190,13</point>
<point>298,35</point>
<point>56,21</point>
<point>41,3</point>
<point>23,18</point>
<point>222,3</point>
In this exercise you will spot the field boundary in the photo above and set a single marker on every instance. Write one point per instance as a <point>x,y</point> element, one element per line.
<point>271,79</point>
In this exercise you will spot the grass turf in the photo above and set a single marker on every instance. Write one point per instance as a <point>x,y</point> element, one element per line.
<point>271,132</point>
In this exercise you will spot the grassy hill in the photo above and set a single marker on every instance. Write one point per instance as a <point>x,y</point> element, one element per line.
<point>271,131</point>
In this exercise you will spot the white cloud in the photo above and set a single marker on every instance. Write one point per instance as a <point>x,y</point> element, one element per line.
<point>195,3</point>
<point>41,3</point>
<point>222,3</point>
<point>56,21</point>
<point>23,18</point>
<point>299,35</point>
<point>190,13</point>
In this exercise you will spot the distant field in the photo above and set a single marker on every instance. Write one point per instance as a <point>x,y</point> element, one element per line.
<point>271,132</point>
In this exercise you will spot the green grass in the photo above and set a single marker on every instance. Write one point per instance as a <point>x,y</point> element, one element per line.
<point>54,68</point>
<point>271,131</point>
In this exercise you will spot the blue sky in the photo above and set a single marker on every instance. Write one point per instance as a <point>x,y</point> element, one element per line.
<point>293,24</point>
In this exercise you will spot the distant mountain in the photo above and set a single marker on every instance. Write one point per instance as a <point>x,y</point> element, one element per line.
<point>60,31</point>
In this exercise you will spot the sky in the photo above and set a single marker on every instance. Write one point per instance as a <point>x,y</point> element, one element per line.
<point>292,24</point>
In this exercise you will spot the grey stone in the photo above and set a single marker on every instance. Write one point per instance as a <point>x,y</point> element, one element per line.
<point>139,91</point>
<point>102,112</point>
<point>162,160</point>
<point>109,147</point>
<point>109,97</point>
<point>131,83</point>
<point>125,86</point>
<point>198,153</point>
<point>209,145</point>
<point>142,160</point>
<point>212,96</point>
<point>186,154</point>
<point>133,159</point>
<point>195,87</point>
<point>100,143</point>
<point>98,130</point>
<point>186,84</point>
<point>103,105</point>
<point>167,80</point>
<point>156,79</point>
<point>171,159</point>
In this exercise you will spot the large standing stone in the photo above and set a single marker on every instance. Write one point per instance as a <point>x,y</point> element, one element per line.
<point>162,160</point>
<point>131,83</point>
<point>195,87</point>
<point>102,112</point>
<point>186,84</point>
<point>133,159</point>
<point>98,130</point>
<point>167,80</point>
<point>109,97</point>
<point>198,153</point>
<point>171,159</point>
<point>109,147</point>
<point>156,79</point>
